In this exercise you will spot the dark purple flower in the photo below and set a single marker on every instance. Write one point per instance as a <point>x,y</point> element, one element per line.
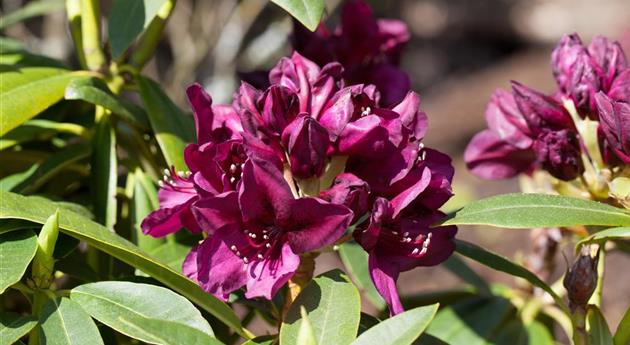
<point>539,110</point>
<point>615,124</point>
<point>396,244</point>
<point>620,89</point>
<point>260,233</point>
<point>609,57</point>
<point>306,143</point>
<point>490,157</point>
<point>350,191</point>
<point>558,152</point>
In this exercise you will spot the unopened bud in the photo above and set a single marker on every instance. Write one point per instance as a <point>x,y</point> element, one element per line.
<point>581,279</point>
<point>44,263</point>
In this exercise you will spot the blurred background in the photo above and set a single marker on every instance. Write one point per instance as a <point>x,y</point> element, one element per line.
<point>460,52</point>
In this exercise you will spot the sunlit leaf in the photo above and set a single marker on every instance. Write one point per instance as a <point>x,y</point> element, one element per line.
<point>355,259</point>
<point>63,322</point>
<point>14,326</point>
<point>605,235</point>
<point>17,249</point>
<point>598,331</point>
<point>307,12</point>
<point>538,211</point>
<point>402,329</point>
<point>31,9</point>
<point>127,19</point>
<point>622,335</point>
<point>104,173</point>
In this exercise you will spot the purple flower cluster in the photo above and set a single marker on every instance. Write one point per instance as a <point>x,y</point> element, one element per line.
<point>287,170</point>
<point>529,130</point>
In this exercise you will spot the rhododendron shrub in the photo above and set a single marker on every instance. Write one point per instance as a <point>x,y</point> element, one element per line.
<point>306,209</point>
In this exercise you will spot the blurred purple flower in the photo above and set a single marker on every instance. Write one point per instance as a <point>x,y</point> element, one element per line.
<point>614,122</point>
<point>558,152</point>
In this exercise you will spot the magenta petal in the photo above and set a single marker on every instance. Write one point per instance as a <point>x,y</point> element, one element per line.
<point>220,270</point>
<point>264,194</point>
<point>506,120</point>
<point>201,104</point>
<point>489,157</point>
<point>165,221</point>
<point>217,212</point>
<point>350,191</point>
<point>410,194</point>
<point>615,125</point>
<point>364,137</point>
<point>391,81</point>
<point>266,277</point>
<point>315,224</point>
<point>306,143</point>
<point>189,267</point>
<point>609,56</point>
<point>620,89</point>
<point>540,111</point>
<point>384,276</point>
<point>411,116</point>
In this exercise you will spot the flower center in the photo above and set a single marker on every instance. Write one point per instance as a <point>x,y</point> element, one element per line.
<point>176,181</point>
<point>261,244</point>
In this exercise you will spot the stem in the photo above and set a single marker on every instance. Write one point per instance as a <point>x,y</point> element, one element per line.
<point>150,39</point>
<point>91,34</point>
<point>596,299</point>
<point>578,318</point>
<point>73,10</point>
<point>39,299</point>
<point>302,276</point>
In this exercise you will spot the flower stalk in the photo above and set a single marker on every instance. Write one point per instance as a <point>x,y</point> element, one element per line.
<point>151,37</point>
<point>298,282</point>
<point>91,35</point>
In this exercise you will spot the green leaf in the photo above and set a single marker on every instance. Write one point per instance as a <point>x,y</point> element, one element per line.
<point>262,340</point>
<point>17,249</point>
<point>307,12</point>
<point>95,91</point>
<point>127,20</point>
<point>124,306</point>
<point>305,336</point>
<point>605,235</point>
<point>63,322</point>
<point>36,210</point>
<point>444,297</point>
<point>14,326</point>
<point>10,45</point>
<point>10,182</point>
<point>104,173</point>
<point>622,335</point>
<point>402,329</point>
<point>470,322</point>
<point>50,167</point>
<point>26,92</point>
<point>26,59</point>
<point>355,259</point>
<point>598,331</point>
<point>167,121</point>
<point>515,333</point>
<point>538,211</point>
<point>32,9</point>
<point>163,332</point>
<point>172,253</point>
<point>333,305</point>
<point>144,201</point>
<point>42,130</point>
<point>458,267</point>
<point>502,264</point>
<point>7,225</point>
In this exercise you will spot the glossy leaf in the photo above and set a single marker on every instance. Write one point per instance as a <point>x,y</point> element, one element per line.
<point>63,322</point>
<point>9,183</point>
<point>402,329</point>
<point>17,249</point>
<point>38,129</point>
<point>622,335</point>
<point>355,260</point>
<point>538,211</point>
<point>502,264</point>
<point>50,167</point>
<point>470,322</point>
<point>32,9</point>
<point>110,302</point>
<point>25,92</point>
<point>262,340</point>
<point>7,225</point>
<point>127,20</point>
<point>333,306</point>
<point>163,332</point>
<point>167,121</point>
<point>95,91</point>
<point>14,326</point>
<point>25,59</point>
<point>36,210</point>
<point>598,331</point>
<point>104,173</point>
<point>307,12</point>
<point>605,235</point>
<point>172,253</point>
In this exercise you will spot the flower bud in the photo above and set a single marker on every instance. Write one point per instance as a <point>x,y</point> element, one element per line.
<point>615,124</point>
<point>581,279</point>
<point>306,142</point>
<point>350,191</point>
<point>539,110</point>
<point>558,152</point>
<point>43,263</point>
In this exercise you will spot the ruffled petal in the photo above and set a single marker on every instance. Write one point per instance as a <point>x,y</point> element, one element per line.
<point>266,277</point>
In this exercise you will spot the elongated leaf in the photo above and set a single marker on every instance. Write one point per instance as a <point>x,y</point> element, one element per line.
<point>25,92</point>
<point>172,253</point>
<point>538,211</point>
<point>32,9</point>
<point>605,235</point>
<point>622,335</point>
<point>598,331</point>
<point>7,225</point>
<point>502,264</point>
<point>50,167</point>
<point>470,322</point>
<point>167,122</point>
<point>333,306</point>
<point>163,332</point>
<point>444,297</point>
<point>10,182</point>
<point>26,59</point>
<point>305,336</point>
<point>355,259</point>
<point>262,340</point>
<point>307,12</point>
<point>125,306</point>
<point>465,273</point>
<point>128,19</point>
<point>36,210</point>
<point>17,249</point>
<point>95,91</point>
<point>104,173</point>
<point>14,326</point>
<point>63,322</point>
<point>515,333</point>
<point>10,45</point>
<point>38,129</point>
<point>402,329</point>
